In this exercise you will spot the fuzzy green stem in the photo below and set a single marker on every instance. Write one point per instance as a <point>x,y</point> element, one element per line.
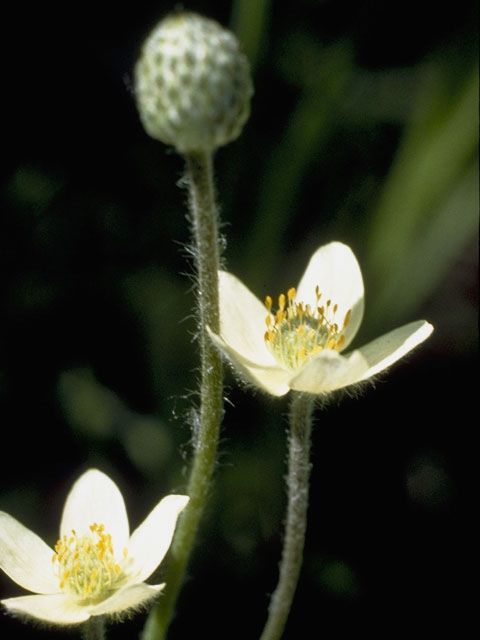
<point>203,216</point>
<point>94,628</point>
<point>301,411</point>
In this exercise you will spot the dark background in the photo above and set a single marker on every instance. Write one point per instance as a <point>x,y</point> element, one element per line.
<point>363,129</point>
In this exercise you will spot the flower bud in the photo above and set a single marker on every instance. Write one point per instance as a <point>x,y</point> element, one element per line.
<point>192,84</point>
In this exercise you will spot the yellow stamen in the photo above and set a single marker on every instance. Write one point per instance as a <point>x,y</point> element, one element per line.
<point>297,330</point>
<point>86,566</point>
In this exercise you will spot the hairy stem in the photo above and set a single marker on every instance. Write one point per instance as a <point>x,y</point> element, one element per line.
<point>301,410</point>
<point>94,628</point>
<point>203,216</point>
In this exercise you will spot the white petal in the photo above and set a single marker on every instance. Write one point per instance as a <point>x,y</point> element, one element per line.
<point>384,351</point>
<point>151,540</point>
<point>242,320</point>
<point>25,557</point>
<point>96,498</point>
<point>57,609</point>
<point>329,371</point>
<point>131,597</point>
<point>335,270</point>
<point>271,378</point>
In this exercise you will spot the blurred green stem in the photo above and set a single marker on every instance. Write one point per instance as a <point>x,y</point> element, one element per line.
<point>94,628</point>
<point>203,218</point>
<point>301,410</point>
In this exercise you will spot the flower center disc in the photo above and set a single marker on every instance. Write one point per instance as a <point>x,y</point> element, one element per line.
<point>297,332</point>
<point>86,565</point>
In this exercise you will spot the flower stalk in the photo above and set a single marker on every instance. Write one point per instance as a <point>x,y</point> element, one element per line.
<point>94,628</point>
<point>203,217</point>
<point>301,413</point>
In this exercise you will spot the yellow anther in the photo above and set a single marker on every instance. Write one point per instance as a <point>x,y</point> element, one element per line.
<point>85,565</point>
<point>298,331</point>
<point>346,321</point>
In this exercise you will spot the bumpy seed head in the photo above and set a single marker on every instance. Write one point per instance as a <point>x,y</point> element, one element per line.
<point>86,566</point>
<point>192,84</point>
<point>297,331</point>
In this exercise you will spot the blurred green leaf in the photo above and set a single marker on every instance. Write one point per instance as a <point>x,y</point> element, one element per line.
<point>427,209</point>
<point>306,131</point>
<point>99,414</point>
<point>30,186</point>
<point>248,22</point>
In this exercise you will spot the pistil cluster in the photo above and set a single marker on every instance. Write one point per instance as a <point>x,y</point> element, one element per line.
<point>296,332</point>
<point>86,565</point>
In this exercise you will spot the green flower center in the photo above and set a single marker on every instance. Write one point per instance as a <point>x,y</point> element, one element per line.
<point>86,566</point>
<point>296,332</point>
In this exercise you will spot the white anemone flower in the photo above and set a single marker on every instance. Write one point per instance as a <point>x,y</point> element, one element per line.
<point>96,568</point>
<point>301,344</point>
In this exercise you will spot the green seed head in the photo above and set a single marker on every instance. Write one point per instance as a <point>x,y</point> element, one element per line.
<point>192,84</point>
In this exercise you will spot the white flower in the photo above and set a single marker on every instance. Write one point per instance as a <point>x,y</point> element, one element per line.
<point>300,346</point>
<point>97,567</point>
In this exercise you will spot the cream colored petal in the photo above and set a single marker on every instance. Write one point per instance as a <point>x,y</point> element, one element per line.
<point>334,268</point>
<point>329,371</point>
<point>132,597</point>
<point>242,320</point>
<point>96,498</point>
<point>272,379</point>
<point>56,609</point>
<point>151,540</point>
<point>384,351</point>
<point>25,557</point>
